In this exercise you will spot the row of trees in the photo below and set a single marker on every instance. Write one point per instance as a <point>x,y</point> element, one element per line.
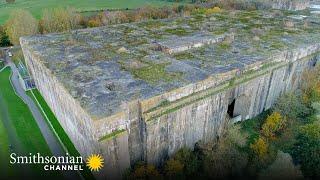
<point>145,13</point>
<point>22,23</point>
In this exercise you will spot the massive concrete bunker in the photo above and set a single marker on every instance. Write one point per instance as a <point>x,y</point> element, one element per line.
<point>140,91</point>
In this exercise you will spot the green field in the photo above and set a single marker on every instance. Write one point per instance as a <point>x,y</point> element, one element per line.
<point>36,6</point>
<point>56,127</point>
<point>4,147</point>
<point>19,133</point>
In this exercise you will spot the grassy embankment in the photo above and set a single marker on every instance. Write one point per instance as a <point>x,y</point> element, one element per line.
<point>56,127</point>
<point>4,146</point>
<point>19,133</point>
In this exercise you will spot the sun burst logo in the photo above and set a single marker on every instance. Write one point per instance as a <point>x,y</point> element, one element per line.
<point>95,162</point>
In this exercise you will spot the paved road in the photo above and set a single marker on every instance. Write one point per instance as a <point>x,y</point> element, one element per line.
<point>47,133</point>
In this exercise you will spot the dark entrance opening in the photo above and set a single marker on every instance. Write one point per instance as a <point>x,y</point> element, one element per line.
<point>314,63</point>
<point>231,108</point>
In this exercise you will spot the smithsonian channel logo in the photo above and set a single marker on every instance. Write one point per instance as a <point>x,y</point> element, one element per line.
<point>57,163</point>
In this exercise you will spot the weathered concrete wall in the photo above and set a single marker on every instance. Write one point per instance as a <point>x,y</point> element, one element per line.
<point>205,119</point>
<point>290,4</point>
<point>74,120</point>
<point>156,139</point>
<point>195,113</point>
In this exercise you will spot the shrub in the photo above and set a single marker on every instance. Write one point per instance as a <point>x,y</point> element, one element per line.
<point>20,23</point>
<point>227,158</point>
<point>144,171</point>
<point>94,23</point>
<point>235,137</point>
<point>273,124</point>
<point>114,17</point>
<point>41,26</point>
<point>243,4</point>
<point>4,38</point>
<point>311,85</point>
<point>306,150</point>
<point>184,10</point>
<point>173,168</point>
<point>281,168</point>
<point>60,19</point>
<point>149,12</point>
<point>213,10</point>
<point>224,162</point>
<point>292,107</point>
<point>189,160</point>
<point>260,148</point>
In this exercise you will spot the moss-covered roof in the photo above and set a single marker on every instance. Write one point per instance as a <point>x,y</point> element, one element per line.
<point>105,67</point>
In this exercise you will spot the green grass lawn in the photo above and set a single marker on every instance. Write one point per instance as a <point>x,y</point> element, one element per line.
<point>36,6</point>
<point>4,146</point>
<point>57,128</point>
<point>19,130</point>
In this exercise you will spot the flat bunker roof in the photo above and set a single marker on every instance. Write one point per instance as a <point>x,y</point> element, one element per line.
<point>104,67</point>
